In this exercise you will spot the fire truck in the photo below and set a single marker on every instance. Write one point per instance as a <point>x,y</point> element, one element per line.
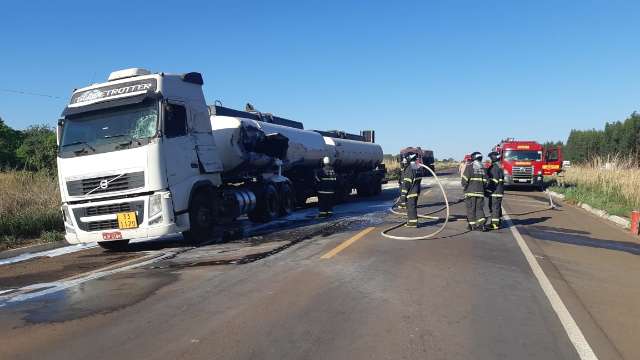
<point>522,162</point>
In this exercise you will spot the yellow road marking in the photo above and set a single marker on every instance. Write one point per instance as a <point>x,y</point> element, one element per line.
<point>347,243</point>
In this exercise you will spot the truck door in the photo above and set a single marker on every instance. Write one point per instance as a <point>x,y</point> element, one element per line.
<point>181,160</point>
<point>552,160</point>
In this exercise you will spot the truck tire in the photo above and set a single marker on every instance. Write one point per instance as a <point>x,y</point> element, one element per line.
<point>268,207</point>
<point>116,245</point>
<point>287,199</point>
<point>201,217</point>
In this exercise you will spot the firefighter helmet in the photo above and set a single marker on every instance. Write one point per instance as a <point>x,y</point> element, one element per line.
<point>494,156</point>
<point>476,156</point>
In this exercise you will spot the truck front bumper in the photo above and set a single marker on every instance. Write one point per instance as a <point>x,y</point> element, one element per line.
<point>97,220</point>
<point>532,181</point>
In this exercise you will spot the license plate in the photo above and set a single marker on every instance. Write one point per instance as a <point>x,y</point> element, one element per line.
<point>522,180</point>
<point>114,235</point>
<point>127,220</point>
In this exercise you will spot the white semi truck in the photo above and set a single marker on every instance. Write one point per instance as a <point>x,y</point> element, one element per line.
<point>142,155</point>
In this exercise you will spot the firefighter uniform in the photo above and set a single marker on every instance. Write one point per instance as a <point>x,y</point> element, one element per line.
<point>402,202</point>
<point>474,182</point>
<point>326,178</point>
<point>495,191</point>
<point>411,182</point>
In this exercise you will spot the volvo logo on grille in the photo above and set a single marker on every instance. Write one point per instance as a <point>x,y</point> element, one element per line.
<point>104,184</point>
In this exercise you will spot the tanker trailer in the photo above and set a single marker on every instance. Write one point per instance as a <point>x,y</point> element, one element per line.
<point>358,165</point>
<point>259,156</point>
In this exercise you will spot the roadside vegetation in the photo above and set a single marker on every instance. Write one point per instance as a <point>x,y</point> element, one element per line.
<point>29,208</point>
<point>608,183</point>
<point>29,194</point>
<point>393,166</point>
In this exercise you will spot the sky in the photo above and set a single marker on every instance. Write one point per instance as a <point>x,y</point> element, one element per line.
<point>452,76</point>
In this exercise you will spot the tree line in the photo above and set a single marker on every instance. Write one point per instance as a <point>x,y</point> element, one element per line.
<point>31,149</point>
<point>617,138</point>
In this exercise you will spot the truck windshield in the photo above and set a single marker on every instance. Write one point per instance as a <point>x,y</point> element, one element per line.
<point>521,155</point>
<point>109,129</point>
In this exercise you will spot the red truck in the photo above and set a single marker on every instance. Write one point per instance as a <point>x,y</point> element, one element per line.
<point>522,162</point>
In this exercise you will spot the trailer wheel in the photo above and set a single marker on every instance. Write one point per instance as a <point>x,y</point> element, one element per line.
<point>201,217</point>
<point>268,206</point>
<point>287,199</point>
<point>116,245</point>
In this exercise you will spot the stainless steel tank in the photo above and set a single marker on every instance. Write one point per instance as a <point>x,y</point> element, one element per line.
<point>353,155</point>
<point>245,142</point>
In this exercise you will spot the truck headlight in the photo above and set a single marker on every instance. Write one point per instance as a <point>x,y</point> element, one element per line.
<point>155,205</point>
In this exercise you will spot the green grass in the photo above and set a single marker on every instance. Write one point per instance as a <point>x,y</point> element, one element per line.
<point>612,204</point>
<point>29,209</point>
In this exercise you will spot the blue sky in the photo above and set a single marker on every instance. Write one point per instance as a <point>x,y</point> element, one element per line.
<point>454,76</point>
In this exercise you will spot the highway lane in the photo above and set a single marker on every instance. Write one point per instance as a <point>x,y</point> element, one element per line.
<point>340,290</point>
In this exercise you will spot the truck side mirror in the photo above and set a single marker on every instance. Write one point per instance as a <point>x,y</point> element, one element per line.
<point>59,131</point>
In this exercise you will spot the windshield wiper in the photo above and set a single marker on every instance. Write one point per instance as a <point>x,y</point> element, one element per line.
<point>114,136</point>
<point>79,143</point>
<point>128,143</point>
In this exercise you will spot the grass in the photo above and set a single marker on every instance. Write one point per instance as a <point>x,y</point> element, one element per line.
<point>29,209</point>
<point>611,184</point>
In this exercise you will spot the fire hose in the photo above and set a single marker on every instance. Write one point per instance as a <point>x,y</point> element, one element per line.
<point>385,232</point>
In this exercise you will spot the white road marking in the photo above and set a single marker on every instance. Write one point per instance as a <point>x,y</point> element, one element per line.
<point>570,326</point>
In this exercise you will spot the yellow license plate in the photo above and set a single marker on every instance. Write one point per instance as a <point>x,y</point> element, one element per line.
<point>127,220</point>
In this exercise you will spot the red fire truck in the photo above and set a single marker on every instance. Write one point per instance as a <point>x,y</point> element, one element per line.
<point>522,162</point>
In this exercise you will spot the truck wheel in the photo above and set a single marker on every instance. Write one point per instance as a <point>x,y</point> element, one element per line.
<point>117,245</point>
<point>201,217</point>
<point>268,206</point>
<point>287,199</point>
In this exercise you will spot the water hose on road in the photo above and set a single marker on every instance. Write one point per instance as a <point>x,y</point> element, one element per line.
<point>386,234</point>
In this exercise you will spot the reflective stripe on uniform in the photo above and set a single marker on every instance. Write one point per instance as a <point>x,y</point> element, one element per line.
<point>474,195</point>
<point>472,222</point>
<point>408,179</point>
<point>412,220</point>
<point>495,180</point>
<point>497,195</point>
<point>478,179</point>
<point>495,220</point>
<point>325,192</point>
<point>412,195</point>
<point>481,220</point>
<point>404,191</point>
<point>328,178</point>
<point>464,177</point>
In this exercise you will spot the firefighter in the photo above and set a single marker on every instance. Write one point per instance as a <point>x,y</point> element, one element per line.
<point>474,183</point>
<point>495,189</point>
<point>326,179</point>
<point>411,178</point>
<point>402,202</point>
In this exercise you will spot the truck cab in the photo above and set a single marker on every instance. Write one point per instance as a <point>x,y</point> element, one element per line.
<point>522,162</point>
<point>130,152</point>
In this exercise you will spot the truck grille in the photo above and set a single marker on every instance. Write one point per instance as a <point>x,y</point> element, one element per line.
<point>113,183</point>
<point>523,172</point>
<point>137,206</point>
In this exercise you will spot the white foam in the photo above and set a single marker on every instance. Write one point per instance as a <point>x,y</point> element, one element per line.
<point>49,253</point>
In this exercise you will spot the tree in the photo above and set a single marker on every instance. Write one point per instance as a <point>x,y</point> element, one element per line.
<point>10,140</point>
<point>38,149</point>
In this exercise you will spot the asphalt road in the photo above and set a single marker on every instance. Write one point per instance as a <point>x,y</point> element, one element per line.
<point>303,289</point>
